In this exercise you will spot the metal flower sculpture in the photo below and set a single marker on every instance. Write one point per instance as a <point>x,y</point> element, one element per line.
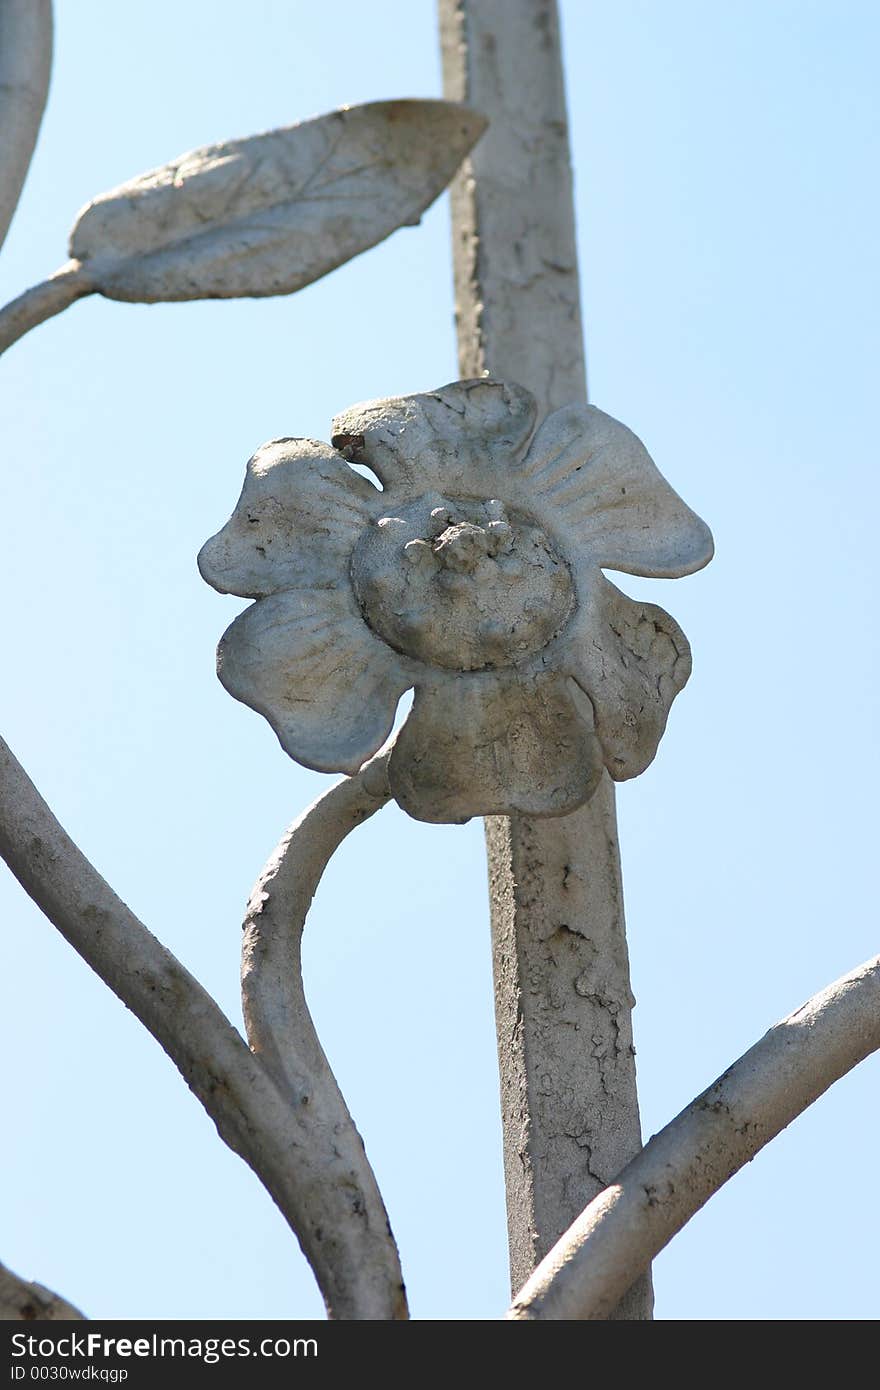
<point>474,575</point>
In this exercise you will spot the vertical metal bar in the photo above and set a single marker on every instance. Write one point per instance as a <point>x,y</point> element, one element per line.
<point>562,993</point>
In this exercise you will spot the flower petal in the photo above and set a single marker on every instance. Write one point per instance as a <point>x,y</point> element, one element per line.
<point>632,659</point>
<point>460,438</point>
<point>300,513</point>
<point>307,662</point>
<point>489,744</point>
<point>596,477</point>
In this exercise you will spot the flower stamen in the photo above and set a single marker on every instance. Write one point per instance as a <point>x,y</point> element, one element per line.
<point>478,588</point>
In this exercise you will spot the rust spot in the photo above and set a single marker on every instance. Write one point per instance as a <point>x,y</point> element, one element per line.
<point>399,110</point>
<point>349,445</point>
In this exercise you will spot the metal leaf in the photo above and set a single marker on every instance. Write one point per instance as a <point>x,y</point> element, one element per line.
<point>270,214</point>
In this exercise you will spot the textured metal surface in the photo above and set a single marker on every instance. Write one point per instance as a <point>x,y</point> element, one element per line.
<point>563,997</point>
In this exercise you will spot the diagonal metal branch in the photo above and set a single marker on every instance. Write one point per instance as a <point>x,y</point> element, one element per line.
<point>334,1213</point>
<point>622,1229</point>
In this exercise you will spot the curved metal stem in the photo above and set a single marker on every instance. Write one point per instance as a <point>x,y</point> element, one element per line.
<point>354,1260</point>
<point>282,1034</point>
<point>279,1027</point>
<point>43,302</point>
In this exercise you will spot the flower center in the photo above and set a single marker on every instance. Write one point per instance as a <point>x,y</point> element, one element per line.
<point>462,584</point>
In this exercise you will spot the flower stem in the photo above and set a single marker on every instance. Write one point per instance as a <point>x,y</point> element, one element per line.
<point>329,1201</point>
<point>43,302</point>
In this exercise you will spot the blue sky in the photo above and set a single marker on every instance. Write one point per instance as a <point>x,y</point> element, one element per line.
<point>725,161</point>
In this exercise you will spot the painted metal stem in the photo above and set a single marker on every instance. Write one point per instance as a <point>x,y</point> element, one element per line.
<point>281,1033</point>
<point>349,1246</point>
<point>43,301</point>
<point>279,1026</point>
<point>681,1167</point>
<point>562,990</point>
